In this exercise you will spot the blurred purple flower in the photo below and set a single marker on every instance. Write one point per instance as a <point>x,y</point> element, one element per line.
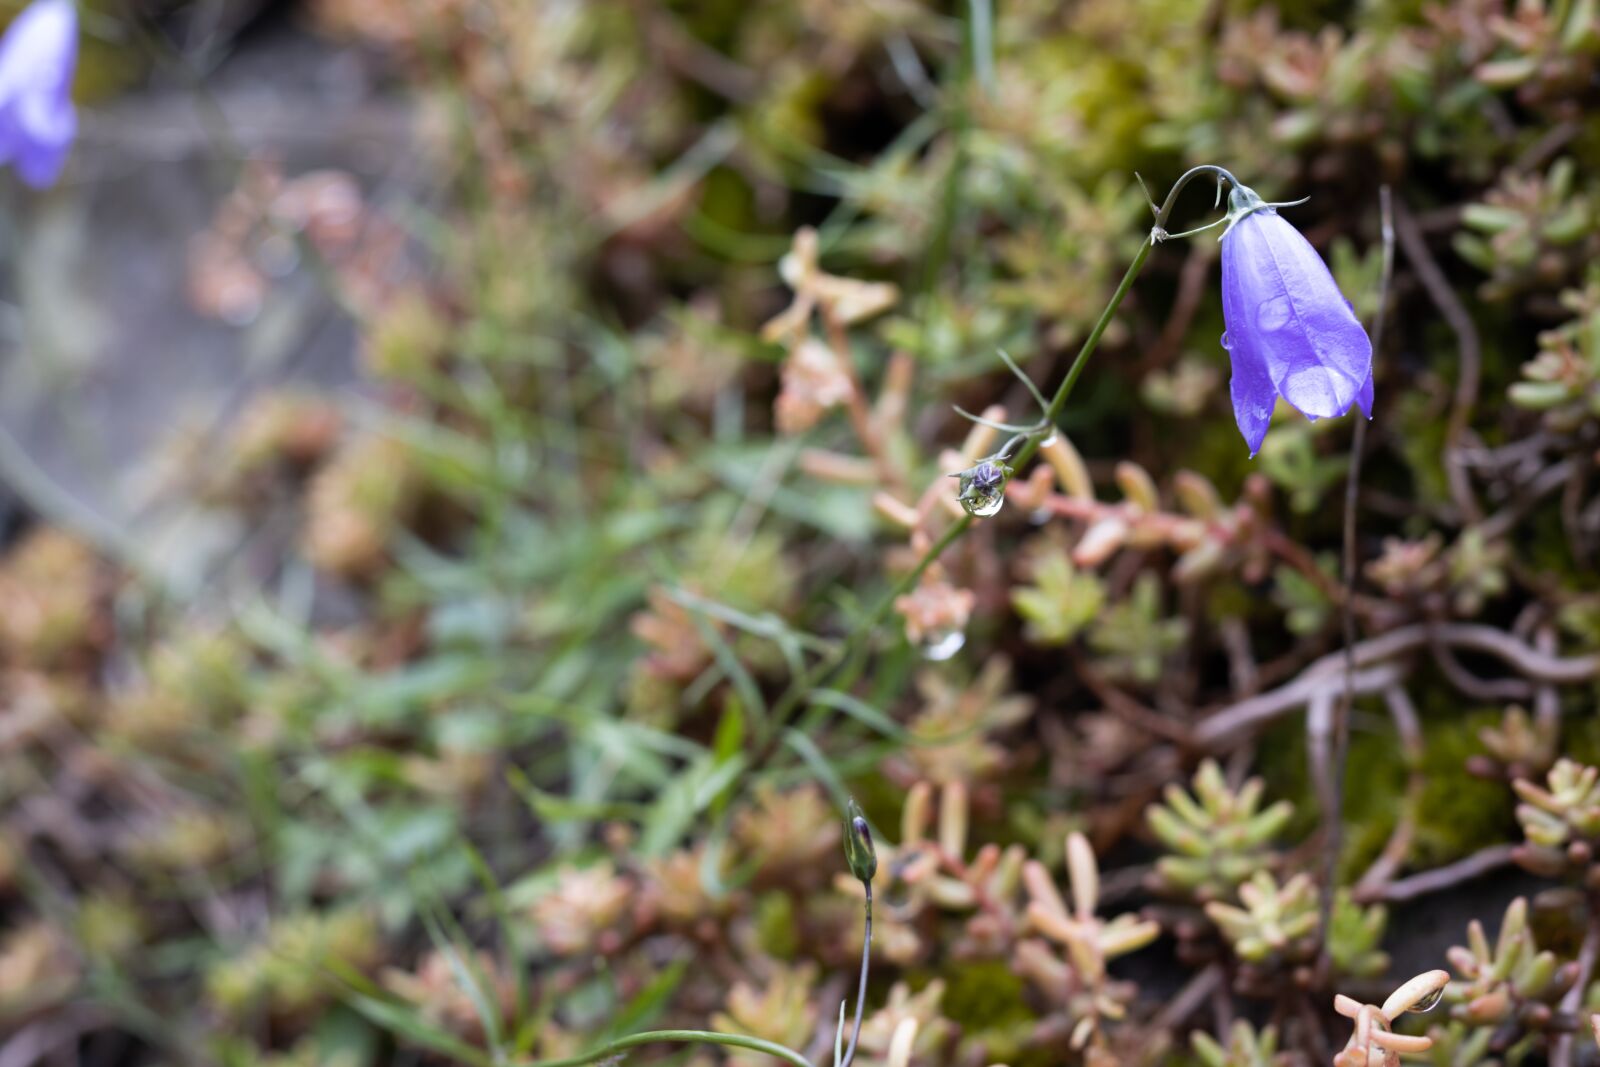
<point>1290,332</point>
<point>37,120</point>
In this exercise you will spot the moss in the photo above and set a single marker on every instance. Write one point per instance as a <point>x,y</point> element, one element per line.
<point>1580,735</point>
<point>1548,550</point>
<point>776,929</point>
<point>990,1004</point>
<point>984,996</point>
<point>1457,814</point>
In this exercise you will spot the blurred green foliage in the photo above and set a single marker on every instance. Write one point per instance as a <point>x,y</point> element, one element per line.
<point>536,728</point>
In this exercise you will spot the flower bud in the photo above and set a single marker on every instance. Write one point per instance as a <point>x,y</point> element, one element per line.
<point>859,852</point>
<point>983,487</point>
<point>1137,486</point>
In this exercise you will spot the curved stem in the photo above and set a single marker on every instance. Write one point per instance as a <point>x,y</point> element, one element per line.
<point>1006,449</point>
<point>1184,179</point>
<point>861,991</point>
<point>801,687</point>
<point>649,1037</point>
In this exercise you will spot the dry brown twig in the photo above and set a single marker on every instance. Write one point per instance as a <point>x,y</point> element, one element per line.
<point>1438,287</point>
<point>1375,673</point>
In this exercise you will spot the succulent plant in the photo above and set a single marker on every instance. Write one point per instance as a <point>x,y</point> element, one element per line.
<point>780,1009</point>
<point>1246,1047</point>
<point>1090,942</point>
<point>1221,837</point>
<point>1457,1044</point>
<point>1372,1043</point>
<point>1561,822</point>
<point>1275,923</point>
<point>1513,980</point>
<point>1519,747</point>
<point>1528,231</point>
<point>1562,382</point>
<point>1355,937</point>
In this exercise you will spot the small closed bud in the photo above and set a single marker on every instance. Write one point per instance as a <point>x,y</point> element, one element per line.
<point>859,852</point>
<point>1137,485</point>
<point>953,819</point>
<point>1196,495</point>
<point>905,1035</point>
<point>1488,1009</point>
<point>1068,465</point>
<point>1201,561</point>
<point>983,487</point>
<point>1100,541</point>
<point>1084,873</point>
<point>1421,993</point>
<point>917,814</point>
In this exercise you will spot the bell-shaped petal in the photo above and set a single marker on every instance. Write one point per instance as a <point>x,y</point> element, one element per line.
<point>1291,333</point>
<point>37,121</point>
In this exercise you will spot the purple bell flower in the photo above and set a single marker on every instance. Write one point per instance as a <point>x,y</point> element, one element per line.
<point>1291,333</point>
<point>37,120</point>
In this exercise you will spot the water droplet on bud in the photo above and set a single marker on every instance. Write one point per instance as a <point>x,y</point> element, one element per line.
<point>989,504</point>
<point>983,488</point>
<point>1429,1002</point>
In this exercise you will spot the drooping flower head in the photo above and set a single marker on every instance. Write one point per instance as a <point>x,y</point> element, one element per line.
<point>37,122</point>
<point>1291,333</point>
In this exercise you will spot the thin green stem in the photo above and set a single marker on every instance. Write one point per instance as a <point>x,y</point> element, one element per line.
<point>1058,403</point>
<point>711,1037</point>
<point>841,650</point>
<point>796,693</point>
<point>650,1037</point>
<point>861,991</point>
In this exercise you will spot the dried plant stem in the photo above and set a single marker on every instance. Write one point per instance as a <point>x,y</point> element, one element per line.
<point>860,413</point>
<point>1409,727</point>
<point>1449,876</point>
<point>1471,349</point>
<point>1374,673</point>
<point>1333,808</point>
<point>1194,995</point>
<point>1561,1053</point>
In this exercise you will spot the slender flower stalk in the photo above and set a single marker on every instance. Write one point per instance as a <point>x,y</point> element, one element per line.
<point>1031,440</point>
<point>863,860</point>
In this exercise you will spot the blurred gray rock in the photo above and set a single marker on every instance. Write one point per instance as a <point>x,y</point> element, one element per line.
<point>102,358</point>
